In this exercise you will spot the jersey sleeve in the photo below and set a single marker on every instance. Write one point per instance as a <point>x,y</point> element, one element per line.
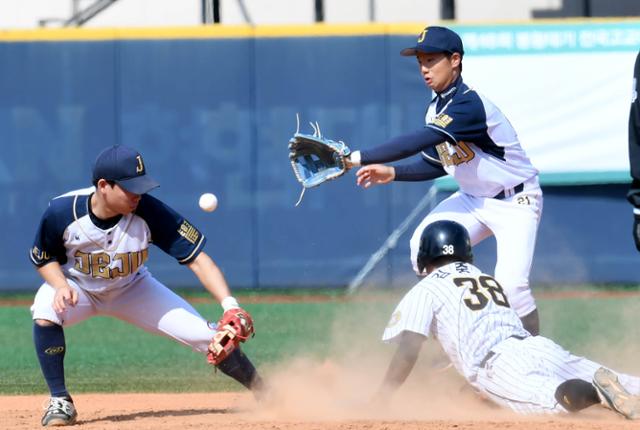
<point>48,244</point>
<point>401,147</point>
<point>414,313</point>
<point>170,231</point>
<point>464,120</point>
<point>422,169</point>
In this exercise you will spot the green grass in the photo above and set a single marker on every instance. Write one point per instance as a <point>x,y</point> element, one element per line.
<point>107,355</point>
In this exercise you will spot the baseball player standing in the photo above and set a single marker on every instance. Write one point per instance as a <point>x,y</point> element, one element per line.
<point>90,249</point>
<point>467,137</point>
<point>634,153</point>
<point>468,313</point>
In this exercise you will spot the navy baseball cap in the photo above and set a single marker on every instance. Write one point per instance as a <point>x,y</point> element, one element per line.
<point>436,39</point>
<point>125,167</point>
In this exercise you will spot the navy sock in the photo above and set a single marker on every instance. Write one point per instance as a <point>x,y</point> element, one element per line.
<point>50,348</point>
<point>238,367</point>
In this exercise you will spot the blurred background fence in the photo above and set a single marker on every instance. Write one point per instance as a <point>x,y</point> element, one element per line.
<point>212,108</point>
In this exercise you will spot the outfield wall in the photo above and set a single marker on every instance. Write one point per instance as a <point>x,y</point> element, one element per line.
<point>212,110</point>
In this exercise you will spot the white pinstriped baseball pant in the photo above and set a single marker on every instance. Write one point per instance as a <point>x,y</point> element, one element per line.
<point>523,375</point>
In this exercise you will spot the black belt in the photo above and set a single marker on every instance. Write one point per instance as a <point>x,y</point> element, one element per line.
<point>491,353</point>
<point>517,189</point>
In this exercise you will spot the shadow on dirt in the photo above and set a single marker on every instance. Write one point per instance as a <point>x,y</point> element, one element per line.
<point>160,414</point>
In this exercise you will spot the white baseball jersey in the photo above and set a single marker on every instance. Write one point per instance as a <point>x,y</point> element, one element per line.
<point>105,255</point>
<point>104,261</point>
<point>465,310</point>
<point>469,314</point>
<point>481,149</point>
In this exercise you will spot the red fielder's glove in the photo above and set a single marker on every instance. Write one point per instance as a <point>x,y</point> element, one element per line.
<point>240,320</point>
<point>234,327</point>
<point>222,344</point>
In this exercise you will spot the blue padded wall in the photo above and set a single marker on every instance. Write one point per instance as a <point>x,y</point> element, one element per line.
<point>215,115</point>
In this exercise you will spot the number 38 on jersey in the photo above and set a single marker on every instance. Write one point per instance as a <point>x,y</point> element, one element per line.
<point>480,291</point>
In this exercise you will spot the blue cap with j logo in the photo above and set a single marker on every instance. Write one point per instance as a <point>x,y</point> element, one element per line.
<point>125,167</point>
<point>436,39</point>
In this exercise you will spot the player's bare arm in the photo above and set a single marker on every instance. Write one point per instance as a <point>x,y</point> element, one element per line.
<point>65,294</point>
<point>210,276</point>
<point>401,364</point>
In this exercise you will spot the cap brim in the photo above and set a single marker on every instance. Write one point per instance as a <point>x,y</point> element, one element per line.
<point>413,51</point>
<point>139,184</point>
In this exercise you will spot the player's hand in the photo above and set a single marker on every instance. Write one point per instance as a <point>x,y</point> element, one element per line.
<point>375,174</point>
<point>636,230</point>
<point>64,296</point>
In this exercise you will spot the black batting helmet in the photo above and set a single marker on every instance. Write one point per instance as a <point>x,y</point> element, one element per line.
<point>444,239</point>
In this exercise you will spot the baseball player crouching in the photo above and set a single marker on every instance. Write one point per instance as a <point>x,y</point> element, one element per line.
<point>90,249</point>
<point>468,313</point>
<point>466,136</point>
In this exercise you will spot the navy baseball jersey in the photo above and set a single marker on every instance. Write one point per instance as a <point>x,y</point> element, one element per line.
<point>465,136</point>
<point>101,255</point>
<point>481,149</point>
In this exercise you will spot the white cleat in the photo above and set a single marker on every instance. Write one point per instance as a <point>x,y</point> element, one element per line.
<point>614,396</point>
<point>59,412</point>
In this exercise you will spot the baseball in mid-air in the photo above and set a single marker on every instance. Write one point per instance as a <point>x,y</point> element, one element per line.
<point>208,202</point>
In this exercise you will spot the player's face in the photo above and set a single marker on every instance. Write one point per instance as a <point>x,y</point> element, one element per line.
<point>438,69</point>
<point>120,201</point>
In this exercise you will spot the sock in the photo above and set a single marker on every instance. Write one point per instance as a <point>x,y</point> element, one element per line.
<point>238,367</point>
<point>576,394</point>
<point>50,348</point>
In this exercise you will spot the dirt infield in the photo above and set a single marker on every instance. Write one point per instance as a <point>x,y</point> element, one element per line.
<point>307,395</point>
<point>238,410</point>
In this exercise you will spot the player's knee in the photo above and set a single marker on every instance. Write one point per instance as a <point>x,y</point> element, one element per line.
<point>512,280</point>
<point>576,394</point>
<point>44,323</point>
<point>521,299</point>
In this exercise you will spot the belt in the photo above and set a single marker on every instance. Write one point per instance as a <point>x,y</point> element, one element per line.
<point>515,190</point>
<point>491,353</point>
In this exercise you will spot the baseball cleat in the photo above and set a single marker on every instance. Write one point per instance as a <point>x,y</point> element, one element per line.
<point>60,412</point>
<point>613,395</point>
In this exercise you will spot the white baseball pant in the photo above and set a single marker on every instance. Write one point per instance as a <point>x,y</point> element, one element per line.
<point>523,375</point>
<point>514,223</point>
<point>146,303</point>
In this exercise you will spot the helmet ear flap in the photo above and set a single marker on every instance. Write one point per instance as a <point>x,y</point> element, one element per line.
<point>422,257</point>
